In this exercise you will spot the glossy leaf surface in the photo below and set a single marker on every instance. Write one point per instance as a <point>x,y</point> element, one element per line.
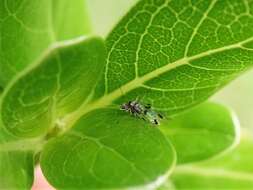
<point>202,132</point>
<point>108,149</point>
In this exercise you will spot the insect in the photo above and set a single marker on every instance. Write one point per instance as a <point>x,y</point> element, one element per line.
<point>142,111</point>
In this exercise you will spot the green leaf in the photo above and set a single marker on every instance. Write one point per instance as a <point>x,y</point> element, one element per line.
<point>176,54</point>
<point>25,33</point>
<point>1,90</point>
<point>232,171</point>
<point>16,164</point>
<point>202,132</point>
<point>16,170</point>
<point>108,149</point>
<point>168,185</point>
<point>37,100</point>
<point>27,28</point>
<point>70,19</point>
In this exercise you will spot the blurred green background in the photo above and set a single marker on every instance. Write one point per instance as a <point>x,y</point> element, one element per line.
<point>238,95</point>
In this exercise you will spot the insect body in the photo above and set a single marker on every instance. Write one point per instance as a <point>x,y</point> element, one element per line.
<point>153,116</point>
<point>142,111</point>
<point>133,107</point>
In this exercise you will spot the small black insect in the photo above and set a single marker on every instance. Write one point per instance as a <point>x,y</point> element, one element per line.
<point>133,107</point>
<point>142,111</point>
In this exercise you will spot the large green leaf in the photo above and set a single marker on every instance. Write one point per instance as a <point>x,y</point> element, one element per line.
<point>56,86</point>
<point>108,149</point>
<point>175,54</point>
<point>202,132</point>
<point>232,171</point>
<point>28,27</point>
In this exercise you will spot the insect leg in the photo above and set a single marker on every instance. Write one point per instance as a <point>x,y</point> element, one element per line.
<point>160,115</point>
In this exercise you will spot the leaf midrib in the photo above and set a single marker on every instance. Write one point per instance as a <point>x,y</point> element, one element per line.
<point>108,99</point>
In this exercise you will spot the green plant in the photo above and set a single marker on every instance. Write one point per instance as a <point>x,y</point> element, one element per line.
<point>62,110</point>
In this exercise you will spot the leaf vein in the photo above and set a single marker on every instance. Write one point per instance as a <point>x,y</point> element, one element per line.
<point>195,30</point>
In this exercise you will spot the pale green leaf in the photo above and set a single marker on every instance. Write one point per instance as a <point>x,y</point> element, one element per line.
<point>16,164</point>
<point>70,19</point>
<point>38,99</point>
<point>232,171</point>
<point>16,170</point>
<point>24,33</point>
<point>107,149</point>
<point>202,132</point>
<point>27,28</point>
<point>168,185</point>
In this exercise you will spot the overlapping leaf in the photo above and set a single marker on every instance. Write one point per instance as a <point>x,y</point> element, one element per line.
<point>70,19</point>
<point>16,170</point>
<point>232,171</point>
<point>25,33</point>
<point>56,86</point>
<point>16,163</point>
<point>28,27</point>
<point>107,149</point>
<point>202,132</point>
